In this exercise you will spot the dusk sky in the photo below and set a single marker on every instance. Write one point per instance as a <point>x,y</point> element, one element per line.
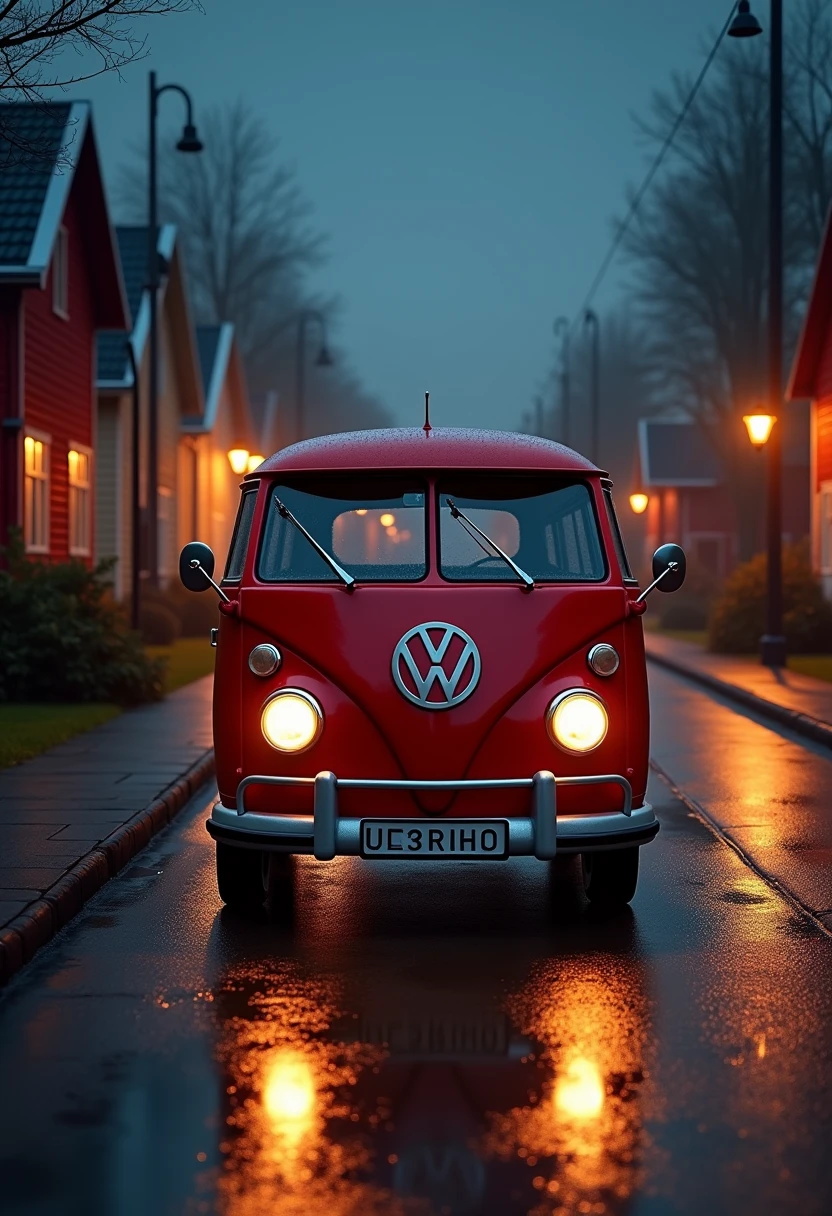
<point>465,157</point>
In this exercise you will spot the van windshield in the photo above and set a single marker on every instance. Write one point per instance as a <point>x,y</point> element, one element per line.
<point>375,529</point>
<point>548,529</point>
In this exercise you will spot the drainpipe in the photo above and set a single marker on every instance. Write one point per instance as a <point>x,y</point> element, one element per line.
<point>135,531</point>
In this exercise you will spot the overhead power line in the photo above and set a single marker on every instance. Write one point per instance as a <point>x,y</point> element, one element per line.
<point>651,173</point>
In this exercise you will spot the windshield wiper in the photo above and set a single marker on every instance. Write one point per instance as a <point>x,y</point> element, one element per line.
<point>526,579</point>
<point>346,579</point>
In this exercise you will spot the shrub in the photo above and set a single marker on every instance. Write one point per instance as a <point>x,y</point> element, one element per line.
<point>158,624</point>
<point>690,606</point>
<point>684,616</point>
<point>195,615</point>
<point>63,638</point>
<point>738,618</point>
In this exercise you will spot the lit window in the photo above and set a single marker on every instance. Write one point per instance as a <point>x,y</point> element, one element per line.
<point>60,274</point>
<point>79,460</point>
<point>36,494</point>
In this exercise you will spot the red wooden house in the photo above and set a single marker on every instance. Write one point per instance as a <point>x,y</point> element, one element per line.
<point>812,378</point>
<point>689,495</point>
<point>60,282</point>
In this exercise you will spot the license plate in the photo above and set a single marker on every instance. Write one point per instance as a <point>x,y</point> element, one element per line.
<point>452,839</point>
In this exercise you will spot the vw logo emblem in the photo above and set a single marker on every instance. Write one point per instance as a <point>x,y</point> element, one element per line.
<point>436,665</point>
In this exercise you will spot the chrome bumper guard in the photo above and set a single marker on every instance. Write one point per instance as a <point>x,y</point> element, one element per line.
<point>538,836</point>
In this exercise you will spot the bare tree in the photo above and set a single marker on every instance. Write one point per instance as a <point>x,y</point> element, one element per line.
<point>698,247</point>
<point>242,220</point>
<point>36,34</point>
<point>248,243</point>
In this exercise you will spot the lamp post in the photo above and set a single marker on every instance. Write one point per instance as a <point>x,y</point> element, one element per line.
<point>324,359</point>
<point>189,142</point>
<point>591,323</point>
<point>746,25</point>
<point>561,329</point>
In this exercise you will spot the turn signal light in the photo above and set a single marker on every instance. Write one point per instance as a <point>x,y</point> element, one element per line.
<point>603,659</point>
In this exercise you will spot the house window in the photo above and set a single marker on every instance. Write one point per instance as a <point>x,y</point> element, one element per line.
<point>79,461</point>
<point>60,274</point>
<point>826,528</point>
<point>36,493</point>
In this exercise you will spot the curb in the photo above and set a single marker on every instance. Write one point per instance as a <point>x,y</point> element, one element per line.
<point>802,724</point>
<point>22,937</point>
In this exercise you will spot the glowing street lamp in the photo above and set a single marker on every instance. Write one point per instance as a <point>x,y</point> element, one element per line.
<point>238,459</point>
<point>759,428</point>
<point>638,502</point>
<point>253,462</point>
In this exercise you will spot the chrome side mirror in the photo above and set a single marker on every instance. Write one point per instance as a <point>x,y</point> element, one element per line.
<point>669,569</point>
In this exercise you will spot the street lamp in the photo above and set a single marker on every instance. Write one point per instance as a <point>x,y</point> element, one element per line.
<point>746,25</point>
<point>759,428</point>
<point>562,327</point>
<point>591,323</point>
<point>639,502</point>
<point>238,459</point>
<point>189,142</point>
<point>324,359</point>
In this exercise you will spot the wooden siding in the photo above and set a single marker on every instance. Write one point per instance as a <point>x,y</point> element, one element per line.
<point>59,370</point>
<point>823,423</point>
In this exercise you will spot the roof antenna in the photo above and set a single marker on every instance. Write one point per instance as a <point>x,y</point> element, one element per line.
<point>427,428</point>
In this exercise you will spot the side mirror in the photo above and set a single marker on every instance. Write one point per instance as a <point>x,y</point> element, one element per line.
<point>669,567</point>
<point>196,577</point>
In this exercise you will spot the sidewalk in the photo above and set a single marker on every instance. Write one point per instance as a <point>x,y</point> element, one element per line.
<point>798,701</point>
<point>70,818</point>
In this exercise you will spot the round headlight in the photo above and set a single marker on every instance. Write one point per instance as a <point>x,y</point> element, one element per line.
<point>603,659</point>
<point>577,721</point>
<point>291,720</point>
<point>264,660</point>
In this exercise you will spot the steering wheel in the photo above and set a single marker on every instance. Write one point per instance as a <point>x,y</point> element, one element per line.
<point>482,560</point>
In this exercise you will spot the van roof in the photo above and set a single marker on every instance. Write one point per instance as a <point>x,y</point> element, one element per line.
<point>413,448</point>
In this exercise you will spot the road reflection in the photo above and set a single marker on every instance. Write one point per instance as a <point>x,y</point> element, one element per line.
<point>406,1071</point>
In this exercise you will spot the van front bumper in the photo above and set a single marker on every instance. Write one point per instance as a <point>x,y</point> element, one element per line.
<point>543,834</point>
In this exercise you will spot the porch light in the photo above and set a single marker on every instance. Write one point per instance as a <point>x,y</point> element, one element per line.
<point>238,459</point>
<point>638,502</point>
<point>759,428</point>
<point>253,462</point>
<point>387,520</point>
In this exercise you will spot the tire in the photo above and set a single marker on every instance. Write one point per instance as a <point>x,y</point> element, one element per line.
<point>610,878</point>
<point>241,877</point>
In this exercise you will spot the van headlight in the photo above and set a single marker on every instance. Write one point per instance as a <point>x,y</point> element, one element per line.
<point>291,720</point>
<point>578,721</point>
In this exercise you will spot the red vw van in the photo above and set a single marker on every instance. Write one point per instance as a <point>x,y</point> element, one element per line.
<point>430,648</point>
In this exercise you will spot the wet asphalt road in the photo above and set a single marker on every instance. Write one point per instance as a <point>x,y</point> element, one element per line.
<point>461,1039</point>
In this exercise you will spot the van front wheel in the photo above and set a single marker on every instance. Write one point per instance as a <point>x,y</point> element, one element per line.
<point>610,878</point>
<point>241,877</point>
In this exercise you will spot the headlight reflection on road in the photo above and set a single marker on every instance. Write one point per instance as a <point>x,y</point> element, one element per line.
<point>290,1138</point>
<point>289,1093</point>
<point>580,1131</point>
<point>579,1092</point>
